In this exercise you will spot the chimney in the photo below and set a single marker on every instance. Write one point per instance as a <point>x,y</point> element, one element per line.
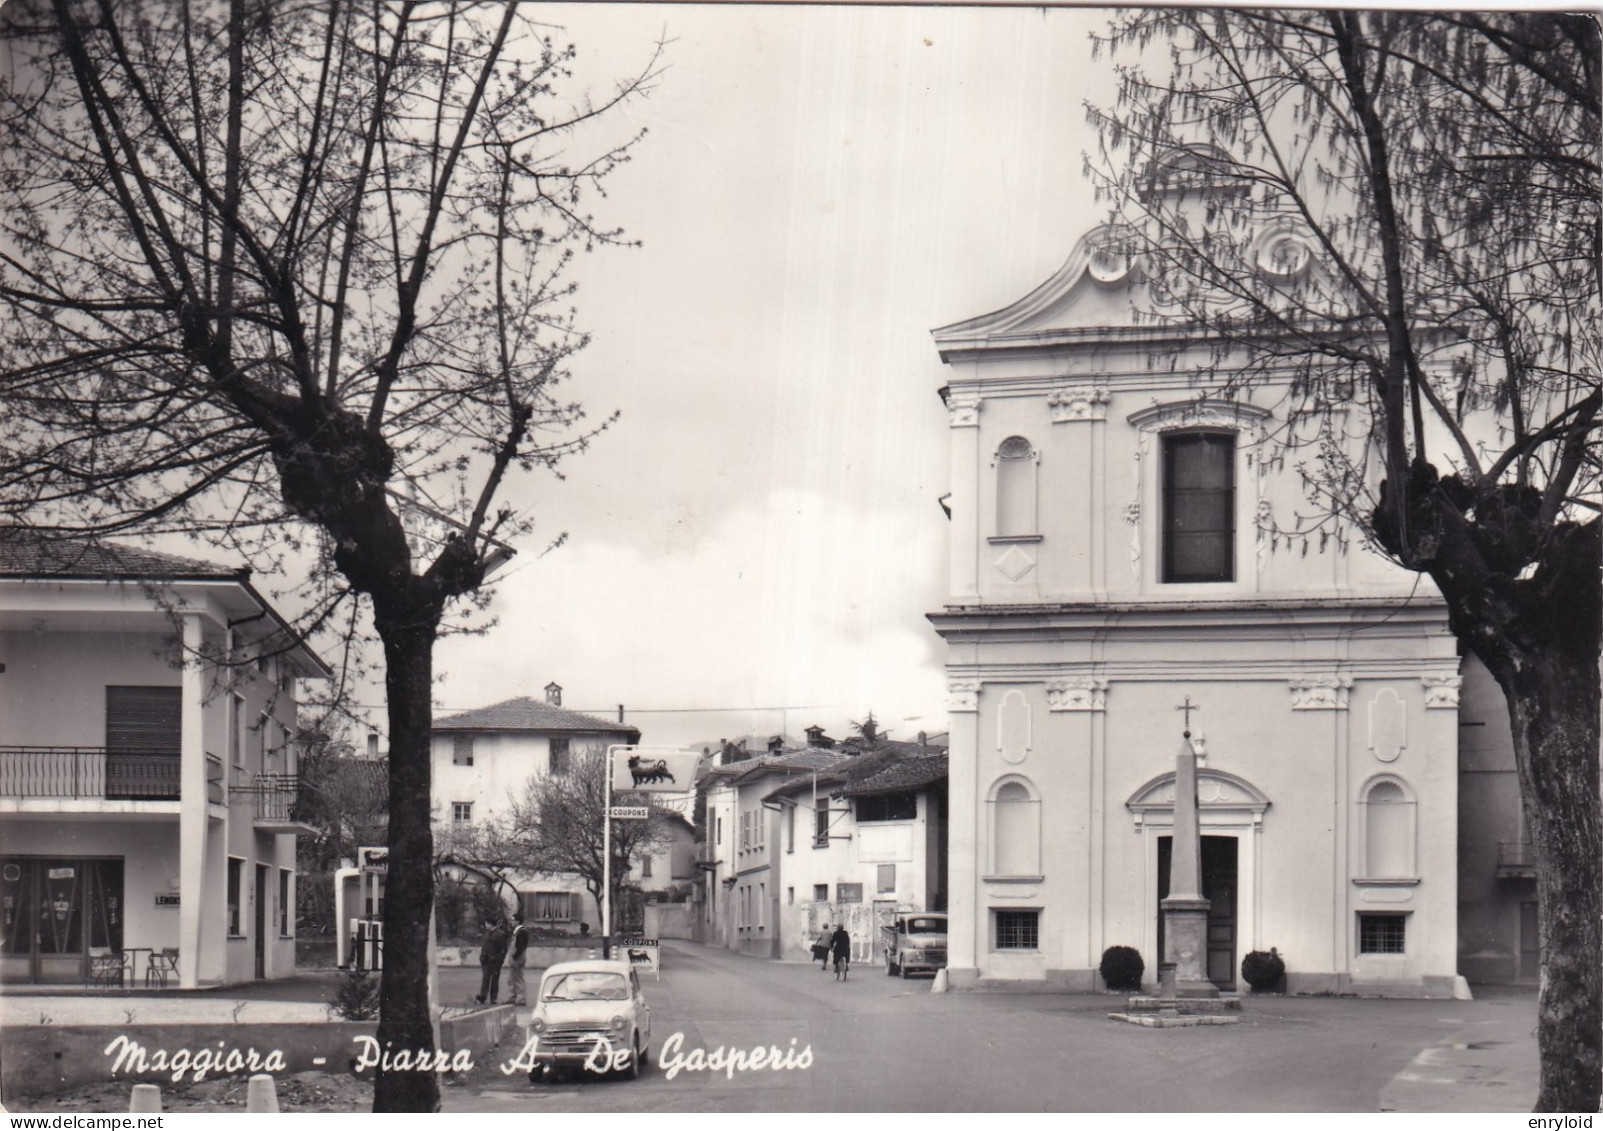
<point>553,694</point>
<point>923,738</point>
<point>372,744</point>
<point>776,744</point>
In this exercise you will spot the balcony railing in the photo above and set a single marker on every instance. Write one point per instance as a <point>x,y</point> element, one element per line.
<point>1516,858</point>
<point>274,797</point>
<point>88,772</point>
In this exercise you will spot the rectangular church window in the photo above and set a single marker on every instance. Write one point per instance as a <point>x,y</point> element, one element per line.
<point>1017,930</point>
<point>1199,506</point>
<point>1381,934</point>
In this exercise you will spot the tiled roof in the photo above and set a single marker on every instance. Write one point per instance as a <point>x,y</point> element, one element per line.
<point>908,773</point>
<point>30,553</point>
<point>531,714</point>
<point>794,761</point>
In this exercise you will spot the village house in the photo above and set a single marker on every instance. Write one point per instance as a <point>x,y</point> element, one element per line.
<point>872,843</point>
<point>1125,562</point>
<point>484,760</point>
<point>147,768</point>
<point>833,833</point>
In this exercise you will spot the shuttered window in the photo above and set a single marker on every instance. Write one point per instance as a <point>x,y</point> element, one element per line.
<point>144,719</point>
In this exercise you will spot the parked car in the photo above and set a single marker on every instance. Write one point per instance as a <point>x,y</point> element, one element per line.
<point>916,940</point>
<point>590,1016</point>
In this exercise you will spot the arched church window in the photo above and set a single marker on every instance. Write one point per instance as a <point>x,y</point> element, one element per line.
<point>1015,830</point>
<point>1388,832</point>
<point>1015,488</point>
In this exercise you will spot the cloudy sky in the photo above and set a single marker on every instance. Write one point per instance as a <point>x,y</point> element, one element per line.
<point>754,546</point>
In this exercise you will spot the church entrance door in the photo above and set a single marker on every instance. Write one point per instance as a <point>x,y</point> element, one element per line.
<point>1219,888</point>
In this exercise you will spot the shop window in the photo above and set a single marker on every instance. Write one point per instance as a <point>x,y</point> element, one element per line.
<point>848,893</point>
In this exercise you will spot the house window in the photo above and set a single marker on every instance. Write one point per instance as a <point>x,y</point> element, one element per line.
<point>762,906</point>
<point>550,905</point>
<point>848,893</point>
<point>645,867</point>
<point>264,738</point>
<point>1199,506</point>
<point>286,900</point>
<point>718,831</point>
<point>559,756</point>
<point>1017,930</point>
<point>1015,830</point>
<point>820,893</point>
<point>1015,488</point>
<point>888,807</point>
<point>1382,933</point>
<point>790,896</point>
<point>236,868</point>
<point>236,729</point>
<point>461,812</point>
<point>887,879</point>
<point>790,828</point>
<point>821,823</point>
<point>1388,816</point>
<point>144,719</point>
<point>462,750</point>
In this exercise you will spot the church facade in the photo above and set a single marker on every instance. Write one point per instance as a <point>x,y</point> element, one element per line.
<point>1126,559</point>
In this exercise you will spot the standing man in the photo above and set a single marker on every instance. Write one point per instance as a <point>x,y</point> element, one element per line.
<point>516,993</point>
<point>491,955</point>
<point>821,948</point>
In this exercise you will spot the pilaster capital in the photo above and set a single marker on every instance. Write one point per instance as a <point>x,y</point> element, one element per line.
<point>964,411</point>
<point>963,695</point>
<point>1079,693</point>
<point>1320,692</point>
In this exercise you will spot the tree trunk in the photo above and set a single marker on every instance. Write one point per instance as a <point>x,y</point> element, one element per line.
<point>405,1023</point>
<point>1553,708</point>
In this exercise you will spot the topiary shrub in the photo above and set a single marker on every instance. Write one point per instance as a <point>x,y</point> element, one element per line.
<point>1122,968</point>
<point>356,997</point>
<point>1264,971</point>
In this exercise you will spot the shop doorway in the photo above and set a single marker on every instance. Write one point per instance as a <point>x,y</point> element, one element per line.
<point>57,911</point>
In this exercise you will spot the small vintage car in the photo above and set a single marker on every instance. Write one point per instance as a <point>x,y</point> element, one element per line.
<point>590,1016</point>
<point>915,940</point>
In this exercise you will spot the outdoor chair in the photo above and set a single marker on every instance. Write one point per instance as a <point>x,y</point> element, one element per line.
<point>108,969</point>
<point>163,962</point>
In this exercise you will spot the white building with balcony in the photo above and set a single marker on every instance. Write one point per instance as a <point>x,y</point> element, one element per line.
<point>147,768</point>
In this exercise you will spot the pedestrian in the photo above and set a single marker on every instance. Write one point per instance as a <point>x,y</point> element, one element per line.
<point>491,955</point>
<point>821,949</point>
<point>517,994</point>
<point>840,945</point>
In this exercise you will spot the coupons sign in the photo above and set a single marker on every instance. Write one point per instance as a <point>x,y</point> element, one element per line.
<point>642,954</point>
<point>653,769</point>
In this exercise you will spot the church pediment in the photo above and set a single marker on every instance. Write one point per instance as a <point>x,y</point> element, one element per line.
<point>1094,289</point>
<point>1216,791</point>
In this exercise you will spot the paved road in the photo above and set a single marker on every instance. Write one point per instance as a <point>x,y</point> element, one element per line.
<point>883,1044</point>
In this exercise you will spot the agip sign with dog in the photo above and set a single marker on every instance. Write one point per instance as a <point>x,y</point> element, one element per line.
<point>653,769</point>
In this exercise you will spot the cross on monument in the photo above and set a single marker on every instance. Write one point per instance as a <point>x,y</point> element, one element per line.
<point>1188,706</point>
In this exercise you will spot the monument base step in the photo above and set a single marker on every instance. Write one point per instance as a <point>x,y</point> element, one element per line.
<point>1174,1020</point>
<point>1225,1003</point>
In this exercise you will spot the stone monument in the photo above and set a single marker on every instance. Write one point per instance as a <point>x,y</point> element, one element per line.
<point>1185,911</point>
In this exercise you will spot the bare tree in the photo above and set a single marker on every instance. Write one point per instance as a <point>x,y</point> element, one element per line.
<point>557,827</point>
<point>291,275</point>
<point>1396,216</point>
